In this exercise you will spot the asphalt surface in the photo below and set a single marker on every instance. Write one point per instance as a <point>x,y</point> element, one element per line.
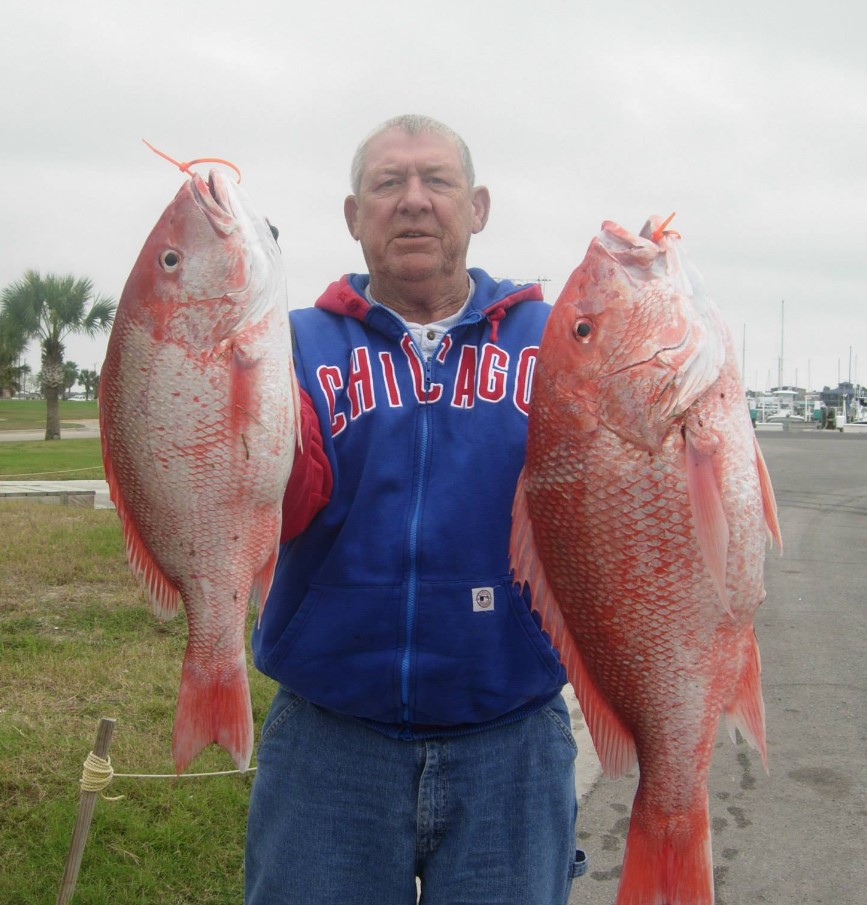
<point>83,430</point>
<point>798,835</point>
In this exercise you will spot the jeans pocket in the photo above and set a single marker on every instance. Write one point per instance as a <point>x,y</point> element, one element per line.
<point>558,714</point>
<point>285,703</point>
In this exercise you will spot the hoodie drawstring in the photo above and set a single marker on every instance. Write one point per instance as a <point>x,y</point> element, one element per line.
<point>494,316</point>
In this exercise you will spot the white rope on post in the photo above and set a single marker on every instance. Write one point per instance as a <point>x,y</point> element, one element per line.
<point>95,778</point>
<point>86,803</point>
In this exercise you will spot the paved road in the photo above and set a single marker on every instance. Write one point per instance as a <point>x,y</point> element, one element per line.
<point>83,430</point>
<point>798,835</point>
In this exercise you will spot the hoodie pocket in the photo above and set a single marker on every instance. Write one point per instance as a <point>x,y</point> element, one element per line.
<point>341,651</point>
<point>474,663</point>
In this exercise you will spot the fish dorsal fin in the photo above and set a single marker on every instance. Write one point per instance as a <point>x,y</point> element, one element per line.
<point>613,741</point>
<point>711,527</point>
<point>769,501</point>
<point>162,594</point>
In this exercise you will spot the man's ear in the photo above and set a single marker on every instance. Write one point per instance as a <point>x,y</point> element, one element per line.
<point>350,212</point>
<point>481,207</point>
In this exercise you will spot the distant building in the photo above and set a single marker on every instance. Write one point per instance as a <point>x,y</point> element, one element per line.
<point>779,402</point>
<point>847,399</point>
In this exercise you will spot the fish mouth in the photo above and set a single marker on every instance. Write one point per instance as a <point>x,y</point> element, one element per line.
<point>215,200</point>
<point>217,186</point>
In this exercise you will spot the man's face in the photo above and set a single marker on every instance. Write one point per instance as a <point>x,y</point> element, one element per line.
<point>414,213</point>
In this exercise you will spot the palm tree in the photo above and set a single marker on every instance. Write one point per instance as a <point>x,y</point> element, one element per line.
<point>12,346</point>
<point>90,381</point>
<point>49,309</point>
<point>70,377</point>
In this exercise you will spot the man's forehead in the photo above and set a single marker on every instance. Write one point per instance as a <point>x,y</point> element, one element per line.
<point>397,148</point>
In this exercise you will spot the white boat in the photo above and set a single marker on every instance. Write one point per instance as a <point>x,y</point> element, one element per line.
<point>786,415</point>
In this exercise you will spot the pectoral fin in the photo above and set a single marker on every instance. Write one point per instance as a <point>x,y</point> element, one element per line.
<point>711,527</point>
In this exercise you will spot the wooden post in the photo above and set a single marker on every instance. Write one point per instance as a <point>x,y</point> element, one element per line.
<point>86,803</point>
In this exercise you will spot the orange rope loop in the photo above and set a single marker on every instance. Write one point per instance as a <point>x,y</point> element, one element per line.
<point>661,231</point>
<point>185,167</point>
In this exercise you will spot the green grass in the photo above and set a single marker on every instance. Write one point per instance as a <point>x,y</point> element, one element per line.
<point>30,414</point>
<point>40,460</point>
<point>78,642</point>
<point>50,460</point>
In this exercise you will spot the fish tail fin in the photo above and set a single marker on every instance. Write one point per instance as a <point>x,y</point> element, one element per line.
<point>213,707</point>
<point>747,711</point>
<point>667,863</point>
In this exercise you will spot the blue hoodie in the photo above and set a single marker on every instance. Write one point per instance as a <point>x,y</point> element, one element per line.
<point>396,604</point>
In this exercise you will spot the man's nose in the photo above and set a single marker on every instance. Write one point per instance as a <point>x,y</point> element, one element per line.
<point>415,197</point>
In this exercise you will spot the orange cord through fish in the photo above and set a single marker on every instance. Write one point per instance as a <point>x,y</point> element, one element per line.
<point>661,231</point>
<point>185,167</point>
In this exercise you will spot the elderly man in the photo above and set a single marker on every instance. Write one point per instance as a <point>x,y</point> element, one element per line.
<point>418,730</point>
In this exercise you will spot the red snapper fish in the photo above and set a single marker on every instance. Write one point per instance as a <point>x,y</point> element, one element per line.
<point>640,523</point>
<point>198,415</point>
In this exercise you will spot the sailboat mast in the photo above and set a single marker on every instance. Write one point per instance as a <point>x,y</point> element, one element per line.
<point>782,340</point>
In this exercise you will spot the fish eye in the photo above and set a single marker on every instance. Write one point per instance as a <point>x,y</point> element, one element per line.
<point>169,260</point>
<point>583,329</point>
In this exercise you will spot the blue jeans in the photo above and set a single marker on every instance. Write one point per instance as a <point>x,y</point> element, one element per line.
<point>343,815</point>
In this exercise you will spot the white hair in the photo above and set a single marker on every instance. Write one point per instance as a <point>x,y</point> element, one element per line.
<point>412,124</point>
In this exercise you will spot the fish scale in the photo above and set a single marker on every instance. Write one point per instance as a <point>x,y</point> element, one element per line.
<point>640,524</point>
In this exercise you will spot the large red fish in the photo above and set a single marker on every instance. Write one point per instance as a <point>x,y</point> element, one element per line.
<point>198,414</point>
<point>640,522</point>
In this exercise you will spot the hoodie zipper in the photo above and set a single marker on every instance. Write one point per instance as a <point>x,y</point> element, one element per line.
<point>414,526</point>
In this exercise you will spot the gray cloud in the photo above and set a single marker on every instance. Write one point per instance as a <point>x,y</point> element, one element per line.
<point>749,119</point>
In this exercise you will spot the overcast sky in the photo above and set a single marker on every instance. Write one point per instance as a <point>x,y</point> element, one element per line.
<point>747,118</point>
